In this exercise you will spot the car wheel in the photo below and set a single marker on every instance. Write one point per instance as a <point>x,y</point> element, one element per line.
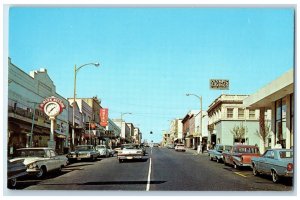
<point>120,160</point>
<point>59,169</point>
<point>12,183</point>
<point>210,158</point>
<point>42,172</point>
<point>275,177</point>
<point>254,171</point>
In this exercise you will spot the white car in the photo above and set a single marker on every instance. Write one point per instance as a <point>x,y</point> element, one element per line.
<point>180,147</point>
<point>103,151</point>
<point>40,160</point>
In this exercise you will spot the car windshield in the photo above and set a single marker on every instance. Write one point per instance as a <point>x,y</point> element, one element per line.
<point>219,148</point>
<point>31,153</point>
<point>83,148</point>
<point>286,154</point>
<point>228,148</point>
<point>129,146</point>
<point>248,150</point>
<point>100,147</point>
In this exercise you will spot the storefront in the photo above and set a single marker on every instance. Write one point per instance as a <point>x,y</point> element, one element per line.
<point>277,96</point>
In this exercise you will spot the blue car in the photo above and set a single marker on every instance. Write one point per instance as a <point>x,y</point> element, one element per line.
<point>216,153</point>
<point>275,162</point>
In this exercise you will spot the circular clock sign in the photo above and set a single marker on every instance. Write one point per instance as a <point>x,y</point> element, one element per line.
<point>52,106</point>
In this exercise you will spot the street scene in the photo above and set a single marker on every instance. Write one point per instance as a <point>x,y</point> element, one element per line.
<point>150,99</point>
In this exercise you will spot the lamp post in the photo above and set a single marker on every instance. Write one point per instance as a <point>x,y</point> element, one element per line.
<point>76,69</point>
<point>122,122</point>
<point>200,118</point>
<point>32,124</point>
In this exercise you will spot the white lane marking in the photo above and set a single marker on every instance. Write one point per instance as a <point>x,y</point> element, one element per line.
<point>149,176</point>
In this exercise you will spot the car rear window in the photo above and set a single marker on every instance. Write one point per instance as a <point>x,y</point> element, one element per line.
<point>286,154</point>
<point>248,150</point>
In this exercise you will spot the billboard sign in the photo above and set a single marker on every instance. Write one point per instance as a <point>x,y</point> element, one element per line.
<point>103,117</point>
<point>219,84</point>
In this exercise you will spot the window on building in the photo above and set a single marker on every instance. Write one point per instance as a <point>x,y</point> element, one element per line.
<point>229,112</point>
<point>241,113</point>
<point>252,114</point>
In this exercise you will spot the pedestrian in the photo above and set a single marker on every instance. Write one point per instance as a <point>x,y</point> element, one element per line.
<point>278,145</point>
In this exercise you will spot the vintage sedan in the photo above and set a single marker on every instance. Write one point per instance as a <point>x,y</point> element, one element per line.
<point>216,153</point>
<point>15,170</point>
<point>240,155</point>
<point>275,162</point>
<point>103,150</point>
<point>130,152</point>
<point>83,152</point>
<point>40,160</point>
<point>179,147</point>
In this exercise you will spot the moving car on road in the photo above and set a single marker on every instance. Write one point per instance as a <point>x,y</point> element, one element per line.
<point>216,153</point>
<point>103,151</point>
<point>240,155</point>
<point>83,152</point>
<point>275,162</point>
<point>15,169</point>
<point>129,152</point>
<point>40,161</point>
<point>179,147</point>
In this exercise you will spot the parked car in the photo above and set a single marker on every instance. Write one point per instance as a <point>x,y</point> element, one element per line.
<point>40,161</point>
<point>15,170</point>
<point>170,146</point>
<point>179,147</point>
<point>141,146</point>
<point>275,162</point>
<point>83,152</point>
<point>216,153</point>
<point>103,151</point>
<point>240,155</point>
<point>130,151</point>
<point>111,152</point>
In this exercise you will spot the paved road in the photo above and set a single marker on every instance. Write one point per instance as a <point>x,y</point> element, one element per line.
<point>162,170</point>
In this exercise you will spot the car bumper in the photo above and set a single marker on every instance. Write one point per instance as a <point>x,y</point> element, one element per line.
<point>129,157</point>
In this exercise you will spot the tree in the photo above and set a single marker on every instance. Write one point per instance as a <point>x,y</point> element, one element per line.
<point>239,132</point>
<point>263,132</point>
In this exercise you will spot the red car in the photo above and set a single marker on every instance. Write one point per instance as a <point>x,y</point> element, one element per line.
<point>240,155</point>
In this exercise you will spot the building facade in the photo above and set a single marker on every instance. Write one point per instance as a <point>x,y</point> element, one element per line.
<point>228,112</point>
<point>28,125</point>
<point>279,97</point>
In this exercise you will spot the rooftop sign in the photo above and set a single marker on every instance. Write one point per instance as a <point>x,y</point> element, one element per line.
<point>219,84</point>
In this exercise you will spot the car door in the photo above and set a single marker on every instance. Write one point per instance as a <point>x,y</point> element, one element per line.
<point>266,161</point>
<point>54,160</point>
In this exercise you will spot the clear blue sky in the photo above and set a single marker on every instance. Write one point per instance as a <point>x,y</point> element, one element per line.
<point>151,57</point>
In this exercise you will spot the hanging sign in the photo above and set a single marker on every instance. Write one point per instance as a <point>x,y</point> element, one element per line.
<point>103,116</point>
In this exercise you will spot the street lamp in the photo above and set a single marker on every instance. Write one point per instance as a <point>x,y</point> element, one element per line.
<point>32,124</point>
<point>122,121</point>
<point>200,120</point>
<point>76,69</point>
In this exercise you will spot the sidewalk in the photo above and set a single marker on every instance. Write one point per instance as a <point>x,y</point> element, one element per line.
<point>205,153</point>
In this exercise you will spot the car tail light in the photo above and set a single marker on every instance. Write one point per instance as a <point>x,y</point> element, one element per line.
<point>290,167</point>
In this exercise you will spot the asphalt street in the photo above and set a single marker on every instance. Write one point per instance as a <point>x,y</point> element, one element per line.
<point>161,170</point>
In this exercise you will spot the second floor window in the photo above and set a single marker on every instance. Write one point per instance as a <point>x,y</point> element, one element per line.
<point>252,114</point>
<point>241,113</point>
<point>229,112</point>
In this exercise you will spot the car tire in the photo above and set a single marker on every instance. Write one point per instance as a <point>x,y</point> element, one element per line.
<point>120,160</point>
<point>254,171</point>
<point>218,161</point>
<point>42,172</point>
<point>275,177</point>
<point>12,183</point>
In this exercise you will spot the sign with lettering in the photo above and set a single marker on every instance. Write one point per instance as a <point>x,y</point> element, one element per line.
<point>103,116</point>
<point>219,84</point>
